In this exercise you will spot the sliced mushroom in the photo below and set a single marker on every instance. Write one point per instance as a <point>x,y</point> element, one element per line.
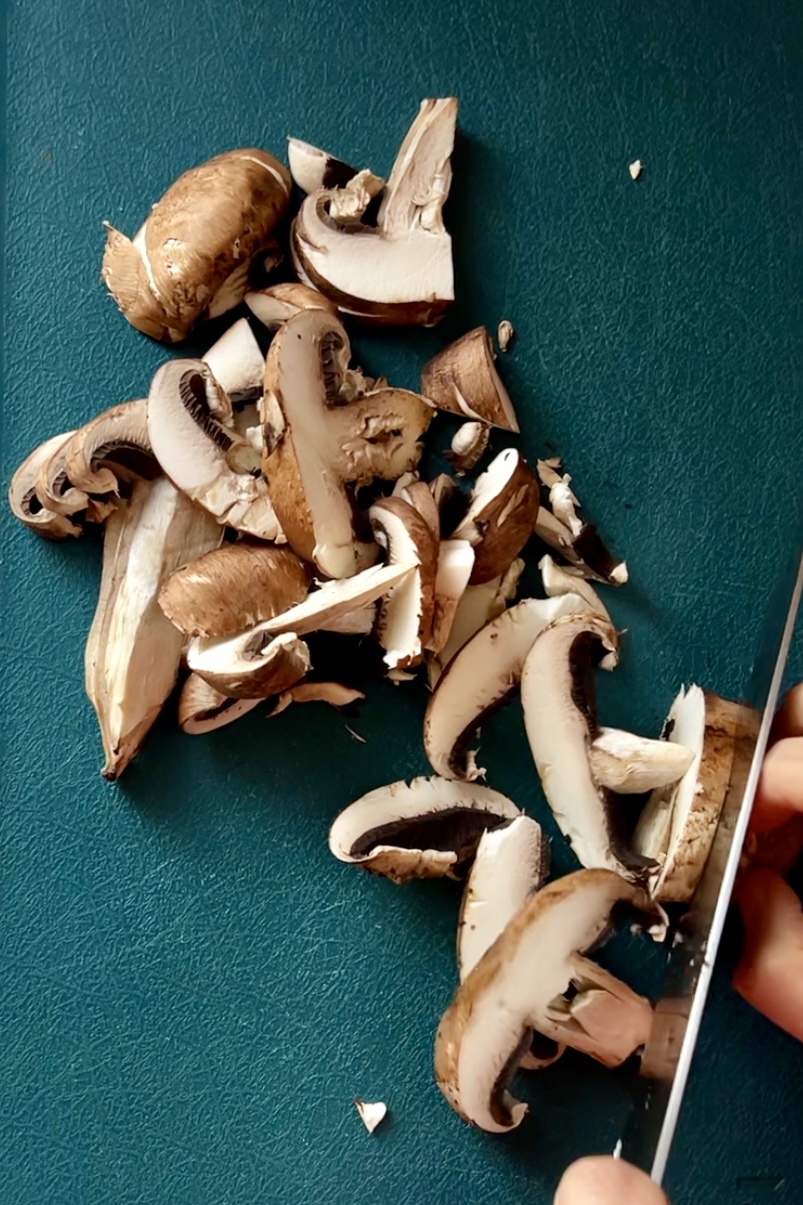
<point>58,494</point>
<point>517,984</point>
<point>246,668</point>
<point>333,693</point>
<point>201,708</point>
<point>25,503</point>
<point>406,611</point>
<point>112,448</point>
<point>419,495</point>
<point>237,364</point>
<point>203,456</point>
<point>559,699</point>
<point>630,764</point>
<point>476,606</point>
<point>275,305</point>
<point>455,564</point>
<point>578,542</point>
<point>468,447</point>
<point>424,829</point>
<point>462,379</point>
<point>480,678</point>
<point>233,588</point>
<point>501,515</point>
<point>604,1018</point>
<point>399,271</point>
<point>133,651</point>
<point>317,441</point>
<point>678,824</point>
<point>313,169</point>
<point>559,580</point>
<point>196,243</point>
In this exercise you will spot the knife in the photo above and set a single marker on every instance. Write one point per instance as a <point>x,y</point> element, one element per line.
<point>678,1013</point>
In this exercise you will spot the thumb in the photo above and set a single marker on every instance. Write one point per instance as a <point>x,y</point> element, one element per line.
<point>603,1180</point>
<point>770,974</point>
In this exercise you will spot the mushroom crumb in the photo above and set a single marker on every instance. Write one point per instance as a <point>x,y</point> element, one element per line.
<point>635,169</point>
<point>372,1113</point>
<point>504,334</point>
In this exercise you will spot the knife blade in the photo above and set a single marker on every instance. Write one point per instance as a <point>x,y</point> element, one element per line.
<point>668,1054</point>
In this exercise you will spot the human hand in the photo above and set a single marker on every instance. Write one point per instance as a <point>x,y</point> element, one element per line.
<point>602,1180</point>
<point>770,973</point>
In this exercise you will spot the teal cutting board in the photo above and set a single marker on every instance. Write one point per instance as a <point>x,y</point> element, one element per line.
<point>192,990</point>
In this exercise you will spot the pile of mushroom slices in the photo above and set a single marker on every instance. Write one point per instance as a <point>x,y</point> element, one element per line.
<point>252,500</point>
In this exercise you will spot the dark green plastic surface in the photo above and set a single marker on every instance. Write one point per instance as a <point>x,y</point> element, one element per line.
<point>191,989</point>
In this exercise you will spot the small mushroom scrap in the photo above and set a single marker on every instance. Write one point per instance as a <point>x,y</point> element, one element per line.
<point>481,677</point>
<point>192,254</point>
<point>462,379</point>
<point>678,824</point>
<point>468,446</point>
<point>406,611</point>
<point>559,699</point>
<point>313,169</point>
<point>201,708</point>
<point>522,981</point>
<point>501,515</point>
<point>318,438</point>
<point>630,764</point>
<point>400,270</point>
<point>578,542</point>
<point>425,829</point>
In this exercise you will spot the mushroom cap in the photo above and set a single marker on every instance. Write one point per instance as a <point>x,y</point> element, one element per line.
<point>419,830</point>
<point>24,501</point>
<point>462,379</point>
<point>487,1028</point>
<point>213,220</point>
<point>480,678</point>
<point>501,515</point>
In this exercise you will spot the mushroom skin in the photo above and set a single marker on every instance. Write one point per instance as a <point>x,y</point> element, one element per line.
<point>559,699</point>
<point>501,515</point>
<point>488,1027</point>
<point>25,502</point>
<point>196,242</point>
<point>425,829</point>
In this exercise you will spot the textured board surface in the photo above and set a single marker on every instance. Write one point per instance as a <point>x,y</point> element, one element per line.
<point>192,990</point>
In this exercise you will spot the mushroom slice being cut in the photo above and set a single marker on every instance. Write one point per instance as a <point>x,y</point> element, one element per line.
<point>313,169</point>
<point>476,606</point>
<point>480,678</point>
<point>237,364</point>
<point>333,693</point>
<point>518,984</point>
<point>201,708</point>
<point>25,503</point>
<point>630,764</point>
<point>400,270</point>
<point>559,699</point>
<point>462,379</point>
<point>319,437</point>
<point>500,516</point>
<point>406,611</point>
<point>112,448</point>
<point>133,651</point>
<point>578,542</point>
<point>678,823</point>
<point>275,305</point>
<point>192,254</point>
<point>246,667</point>
<point>425,829</point>
<point>204,456</point>
<point>233,588</point>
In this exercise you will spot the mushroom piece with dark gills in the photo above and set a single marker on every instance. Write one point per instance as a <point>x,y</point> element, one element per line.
<point>425,829</point>
<point>561,528</point>
<point>25,502</point>
<point>558,694</point>
<point>524,982</point>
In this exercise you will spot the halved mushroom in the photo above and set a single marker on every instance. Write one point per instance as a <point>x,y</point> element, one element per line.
<point>578,542</point>
<point>468,447</point>
<point>399,271</point>
<point>501,515</point>
<point>462,379</point>
<point>519,983</point>
<point>476,606</point>
<point>201,708</point>
<point>133,651</point>
<point>630,764</point>
<point>237,364</point>
<point>559,699</point>
<point>333,693</point>
<point>197,243</point>
<point>455,563</point>
<point>317,440</point>
<point>313,169</point>
<point>406,611</point>
<point>678,824</point>
<point>233,588</point>
<point>202,454</point>
<point>246,668</point>
<point>275,305</point>
<point>481,677</point>
<point>24,501</point>
<point>425,829</point>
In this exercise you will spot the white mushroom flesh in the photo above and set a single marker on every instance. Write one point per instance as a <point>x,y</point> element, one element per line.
<point>631,764</point>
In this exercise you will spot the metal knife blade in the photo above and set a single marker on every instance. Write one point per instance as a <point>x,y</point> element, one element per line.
<point>668,1054</point>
